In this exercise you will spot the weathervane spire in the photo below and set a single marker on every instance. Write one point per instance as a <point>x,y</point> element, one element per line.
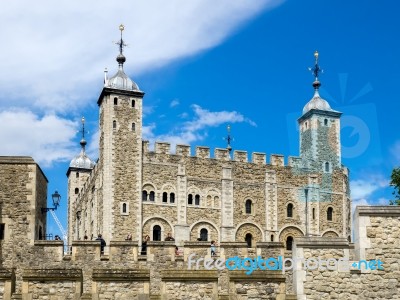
<point>121,58</point>
<point>229,138</point>
<point>316,70</point>
<point>83,141</point>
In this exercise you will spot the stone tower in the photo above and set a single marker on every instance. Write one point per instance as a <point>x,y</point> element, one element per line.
<point>78,172</point>
<point>319,131</point>
<point>120,154</point>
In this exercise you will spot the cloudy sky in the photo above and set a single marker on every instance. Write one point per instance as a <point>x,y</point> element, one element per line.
<point>203,65</point>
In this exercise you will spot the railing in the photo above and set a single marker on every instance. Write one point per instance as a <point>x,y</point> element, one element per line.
<point>67,249</point>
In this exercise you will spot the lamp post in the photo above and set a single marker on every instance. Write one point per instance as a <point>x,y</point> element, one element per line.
<point>56,202</point>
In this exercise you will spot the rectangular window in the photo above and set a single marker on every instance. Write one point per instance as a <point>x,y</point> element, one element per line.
<point>2,231</point>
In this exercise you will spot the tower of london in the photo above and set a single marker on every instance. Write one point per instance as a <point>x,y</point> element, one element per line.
<point>206,194</point>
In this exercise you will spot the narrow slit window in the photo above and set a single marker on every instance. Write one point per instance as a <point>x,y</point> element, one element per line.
<point>289,211</point>
<point>133,103</point>
<point>114,124</point>
<point>329,214</point>
<point>115,101</point>
<point>133,127</point>
<point>152,196</point>
<point>124,207</point>
<point>197,200</point>
<point>190,199</point>
<point>248,206</point>
<point>289,243</point>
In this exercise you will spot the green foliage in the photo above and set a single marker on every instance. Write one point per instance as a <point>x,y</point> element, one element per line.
<point>395,182</point>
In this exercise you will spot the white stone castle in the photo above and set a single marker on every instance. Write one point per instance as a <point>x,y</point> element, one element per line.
<point>132,190</point>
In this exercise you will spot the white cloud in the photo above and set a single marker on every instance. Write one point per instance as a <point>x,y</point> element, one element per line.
<point>46,139</point>
<point>53,53</point>
<point>363,188</point>
<point>174,103</point>
<point>196,129</point>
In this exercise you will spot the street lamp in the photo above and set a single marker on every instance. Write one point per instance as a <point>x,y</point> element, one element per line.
<point>56,202</point>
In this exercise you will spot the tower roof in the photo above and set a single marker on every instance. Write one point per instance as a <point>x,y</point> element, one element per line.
<point>82,161</point>
<point>316,101</point>
<point>120,80</point>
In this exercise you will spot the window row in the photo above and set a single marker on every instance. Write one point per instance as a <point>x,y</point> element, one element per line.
<point>116,102</point>
<point>290,209</point>
<point>133,126</point>
<point>150,196</point>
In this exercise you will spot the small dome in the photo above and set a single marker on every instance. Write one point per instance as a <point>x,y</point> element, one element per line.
<point>317,103</point>
<point>82,161</point>
<point>121,81</point>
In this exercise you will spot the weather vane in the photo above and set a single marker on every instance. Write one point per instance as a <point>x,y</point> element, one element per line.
<point>316,70</point>
<point>83,128</point>
<point>229,138</point>
<point>121,43</point>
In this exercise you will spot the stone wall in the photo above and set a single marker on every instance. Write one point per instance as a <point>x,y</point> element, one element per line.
<point>377,237</point>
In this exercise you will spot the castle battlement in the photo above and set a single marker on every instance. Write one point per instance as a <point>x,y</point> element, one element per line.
<point>222,154</point>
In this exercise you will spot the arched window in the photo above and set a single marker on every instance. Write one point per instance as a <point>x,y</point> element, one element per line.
<point>313,213</point>
<point>114,124</point>
<point>144,196</point>
<point>152,194</point>
<point>289,243</point>
<point>115,101</point>
<point>197,200</point>
<point>190,199</point>
<point>326,122</point>
<point>248,206</point>
<point>164,197</point>
<point>272,237</point>
<point>77,174</point>
<point>204,234</point>
<point>156,233</point>
<point>76,191</point>
<point>289,210</point>
<point>248,238</point>
<point>133,126</point>
<point>327,167</point>
<point>124,207</point>
<point>172,197</point>
<point>133,103</point>
<point>329,214</point>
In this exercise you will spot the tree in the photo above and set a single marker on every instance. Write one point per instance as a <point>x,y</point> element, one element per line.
<point>395,182</point>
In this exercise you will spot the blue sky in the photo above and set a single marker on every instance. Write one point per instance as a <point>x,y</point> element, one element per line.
<point>202,66</point>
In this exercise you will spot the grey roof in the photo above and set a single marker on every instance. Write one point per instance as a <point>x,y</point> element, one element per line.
<point>317,103</point>
<point>121,81</point>
<point>82,161</point>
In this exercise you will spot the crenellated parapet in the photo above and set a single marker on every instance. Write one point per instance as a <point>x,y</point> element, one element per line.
<point>221,154</point>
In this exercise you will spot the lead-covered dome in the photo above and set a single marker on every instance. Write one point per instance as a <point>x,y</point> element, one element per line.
<point>82,161</point>
<point>121,81</point>
<point>317,103</point>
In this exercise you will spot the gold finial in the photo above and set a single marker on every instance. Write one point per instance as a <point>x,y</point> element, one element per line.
<point>316,55</point>
<point>121,27</point>
<point>83,120</point>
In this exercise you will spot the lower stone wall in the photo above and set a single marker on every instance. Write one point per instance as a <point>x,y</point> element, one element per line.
<point>377,237</point>
<point>192,290</point>
<point>111,290</point>
<point>63,290</point>
<point>46,273</point>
